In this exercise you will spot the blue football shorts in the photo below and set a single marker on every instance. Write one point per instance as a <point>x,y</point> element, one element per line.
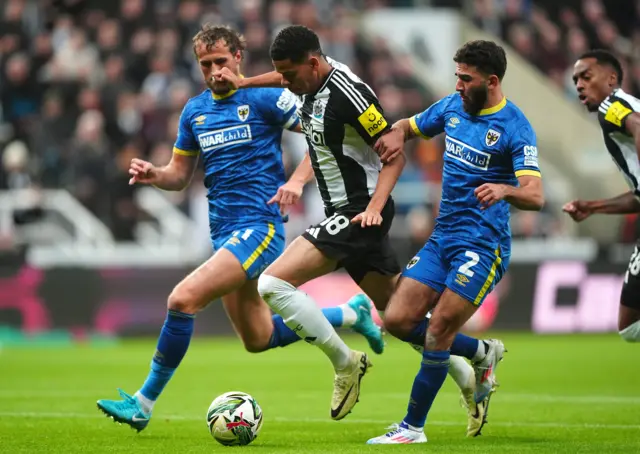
<point>469,269</point>
<point>255,246</point>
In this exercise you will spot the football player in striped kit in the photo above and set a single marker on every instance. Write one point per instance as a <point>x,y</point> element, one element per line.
<point>598,75</point>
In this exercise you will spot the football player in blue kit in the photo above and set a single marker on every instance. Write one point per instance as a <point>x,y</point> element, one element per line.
<point>238,135</point>
<point>490,164</point>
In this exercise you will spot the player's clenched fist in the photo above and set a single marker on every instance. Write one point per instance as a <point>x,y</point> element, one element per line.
<point>579,210</point>
<point>142,172</point>
<point>226,75</point>
<point>489,194</point>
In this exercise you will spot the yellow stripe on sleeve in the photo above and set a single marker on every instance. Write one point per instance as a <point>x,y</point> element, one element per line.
<point>490,278</point>
<point>416,130</point>
<point>260,249</point>
<point>181,152</point>
<point>528,173</point>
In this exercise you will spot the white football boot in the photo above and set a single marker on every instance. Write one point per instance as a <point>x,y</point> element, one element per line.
<point>400,434</point>
<point>485,369</point>
<point>476,412</point>
<point>346,385</point>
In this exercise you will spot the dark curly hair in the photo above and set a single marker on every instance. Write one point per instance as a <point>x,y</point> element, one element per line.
<point>210,34</point>
<point>605,58</point>
<point>487,56</point>
<point>295,43</point>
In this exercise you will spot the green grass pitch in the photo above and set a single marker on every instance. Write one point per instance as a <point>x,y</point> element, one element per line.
<point>558,394</point>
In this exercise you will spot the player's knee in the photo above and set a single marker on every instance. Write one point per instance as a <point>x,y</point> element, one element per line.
<point>631,333</point>
<point>394,326</point>
<point>274,291</point>
<point>182,300</point>
<point>397,324</point>
<point>441,330</point>
<point>438,327</point>
<point>255,345</point>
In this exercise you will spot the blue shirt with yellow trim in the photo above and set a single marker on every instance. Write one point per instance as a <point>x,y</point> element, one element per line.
<point>495,146</point>
<point>238,136</point>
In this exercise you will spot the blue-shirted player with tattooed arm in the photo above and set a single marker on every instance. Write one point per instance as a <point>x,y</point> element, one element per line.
<point>490,163</point>
<point>237,134</point>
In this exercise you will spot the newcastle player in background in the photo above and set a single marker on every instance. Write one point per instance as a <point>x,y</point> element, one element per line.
<point>597,76</point>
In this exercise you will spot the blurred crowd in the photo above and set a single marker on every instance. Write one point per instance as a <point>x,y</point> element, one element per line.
<point>86,85</point>
<point>552,34</point>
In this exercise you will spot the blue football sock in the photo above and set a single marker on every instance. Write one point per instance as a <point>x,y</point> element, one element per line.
<point>334,315</point>
<point>283,335</point>
<point>426,385</point>
<point>416,337</point>
<point>464,346</point>
<point>172,346</point>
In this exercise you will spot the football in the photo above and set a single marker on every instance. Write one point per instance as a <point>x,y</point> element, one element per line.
<point>234,419</point>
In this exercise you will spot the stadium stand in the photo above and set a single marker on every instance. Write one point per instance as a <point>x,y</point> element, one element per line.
<point>551,35</point>
<point>87,85</point>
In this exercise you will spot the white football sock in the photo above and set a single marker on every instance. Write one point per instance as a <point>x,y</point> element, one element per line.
<point>349,316</point>
<point>460,371</point>
<point>146,403</point>
<point>301,314</point>
<point>481,353</point>
<point>631,333</point>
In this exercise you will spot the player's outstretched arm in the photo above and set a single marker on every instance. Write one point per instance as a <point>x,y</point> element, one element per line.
<point>626,203</point>
<point>529,195</point>
<point>386,182</point>
<point>391,144</point>
<point>289,193</point>
<point>270,79</point>
<point>175,176</point>
<point>304,172</point>
<point>579,210</point>
<point>426,124</point>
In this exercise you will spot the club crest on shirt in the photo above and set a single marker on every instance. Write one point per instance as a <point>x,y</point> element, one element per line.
<point>243,112</point>
<point>318,109</point>
<point>413,262</point>
<point>492,137</point>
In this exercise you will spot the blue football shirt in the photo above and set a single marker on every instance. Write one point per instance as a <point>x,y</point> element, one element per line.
<point>495,146</point>
<point>238,137</point>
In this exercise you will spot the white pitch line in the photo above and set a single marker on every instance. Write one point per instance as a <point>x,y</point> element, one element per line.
<point>503,396</point>
<point>382,422</point>
<point>532,398</point>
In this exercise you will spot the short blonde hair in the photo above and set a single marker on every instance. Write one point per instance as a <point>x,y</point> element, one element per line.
<point>210,34</point>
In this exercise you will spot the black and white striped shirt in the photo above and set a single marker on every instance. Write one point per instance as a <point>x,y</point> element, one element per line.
<point>342,121</point>
<point>613,113</point>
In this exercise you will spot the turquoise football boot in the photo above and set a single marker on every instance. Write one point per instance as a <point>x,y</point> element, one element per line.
<point>364,324</point>
<point>127,410</point>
